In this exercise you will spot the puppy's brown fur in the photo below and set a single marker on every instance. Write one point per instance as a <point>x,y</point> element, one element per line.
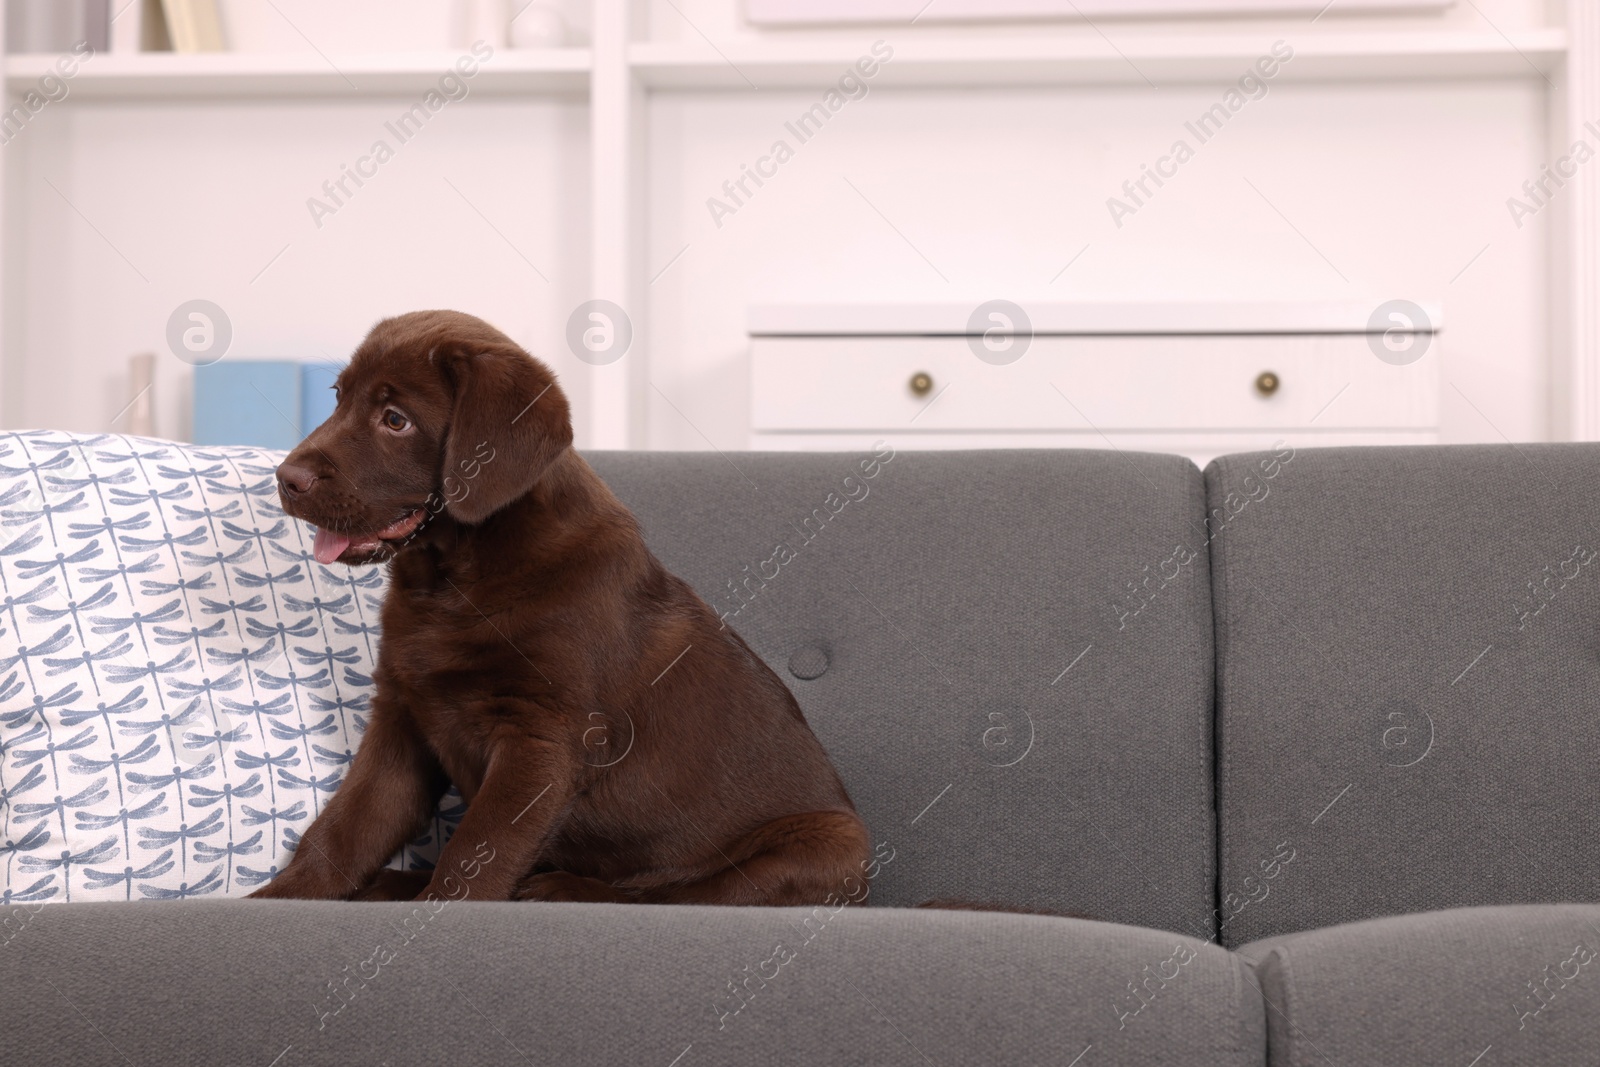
<point>613,741</point>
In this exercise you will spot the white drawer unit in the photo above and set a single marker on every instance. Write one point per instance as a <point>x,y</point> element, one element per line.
<point>1194,379</point>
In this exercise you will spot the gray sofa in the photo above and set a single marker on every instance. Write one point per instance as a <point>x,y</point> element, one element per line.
<point>1306,740</point>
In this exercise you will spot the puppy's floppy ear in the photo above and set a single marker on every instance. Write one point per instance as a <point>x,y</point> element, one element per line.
<point>510,422</point>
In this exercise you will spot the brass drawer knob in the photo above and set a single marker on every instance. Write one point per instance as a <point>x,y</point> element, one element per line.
<point>1267,383</point>
<point>921,383</point>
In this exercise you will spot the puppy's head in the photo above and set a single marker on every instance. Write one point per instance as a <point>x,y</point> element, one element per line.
<point>437,411</point>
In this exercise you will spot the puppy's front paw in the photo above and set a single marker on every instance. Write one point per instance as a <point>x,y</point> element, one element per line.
<point>395,885</point>
<point>280,888</point>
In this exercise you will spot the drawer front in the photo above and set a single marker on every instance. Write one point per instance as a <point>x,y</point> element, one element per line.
<point>1325,381</point>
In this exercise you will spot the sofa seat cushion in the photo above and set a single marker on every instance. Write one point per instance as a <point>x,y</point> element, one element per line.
<point>216,981</point>
<point>1512,984</point>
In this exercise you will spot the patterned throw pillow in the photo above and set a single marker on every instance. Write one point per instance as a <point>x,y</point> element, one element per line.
<point>182,685</point>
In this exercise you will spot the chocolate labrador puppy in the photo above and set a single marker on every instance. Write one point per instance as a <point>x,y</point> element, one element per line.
<point>613,741</point>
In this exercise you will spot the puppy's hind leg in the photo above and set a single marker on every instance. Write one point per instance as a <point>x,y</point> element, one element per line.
<point>560,885</point>
<point>808,858</point>
<point>390,884</point>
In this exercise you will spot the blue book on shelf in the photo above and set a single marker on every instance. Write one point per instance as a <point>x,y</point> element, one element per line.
<point>241,402</point>
<point>316,395</point>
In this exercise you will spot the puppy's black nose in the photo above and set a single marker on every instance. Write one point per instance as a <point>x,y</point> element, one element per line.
<point>294,481</point>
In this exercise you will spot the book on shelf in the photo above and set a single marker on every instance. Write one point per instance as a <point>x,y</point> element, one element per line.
<point>52,26</point>
<point>193,25</point>
<point>316,394</point>
<point>247,402</point>
<point>265,403</point>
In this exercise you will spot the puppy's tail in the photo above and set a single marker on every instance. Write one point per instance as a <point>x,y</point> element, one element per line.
<point>957,904</point>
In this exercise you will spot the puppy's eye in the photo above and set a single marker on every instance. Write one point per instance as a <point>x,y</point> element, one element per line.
<point>395,421</point>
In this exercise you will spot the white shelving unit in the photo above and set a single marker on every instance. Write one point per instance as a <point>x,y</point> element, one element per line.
<point>622,67</point>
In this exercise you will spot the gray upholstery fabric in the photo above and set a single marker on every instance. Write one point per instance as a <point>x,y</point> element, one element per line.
<point>250,982</point>
<point>1408,649</point>
<point>1473,986</point>
<point>925,633</point>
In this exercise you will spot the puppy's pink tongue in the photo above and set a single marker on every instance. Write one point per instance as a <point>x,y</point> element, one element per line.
<point>329,546</point>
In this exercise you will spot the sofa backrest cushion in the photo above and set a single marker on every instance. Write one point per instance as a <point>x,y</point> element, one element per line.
<point>181,685</point>
<point>1006,653</point>
<point>1408,650</point>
